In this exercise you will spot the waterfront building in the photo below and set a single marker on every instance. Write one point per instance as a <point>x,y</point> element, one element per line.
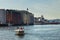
<point>16,17</point>
<point>2,16</point>
<point>19,17</point>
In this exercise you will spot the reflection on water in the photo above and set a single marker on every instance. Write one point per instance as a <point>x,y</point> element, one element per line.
<point>36,32</point>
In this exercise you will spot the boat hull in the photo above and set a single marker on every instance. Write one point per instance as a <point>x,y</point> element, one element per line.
<point>20,33</point>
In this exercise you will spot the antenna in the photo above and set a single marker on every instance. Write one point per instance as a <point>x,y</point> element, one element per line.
<point>27,9</point>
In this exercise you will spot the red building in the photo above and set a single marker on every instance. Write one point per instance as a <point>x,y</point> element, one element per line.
<point>13,17</point>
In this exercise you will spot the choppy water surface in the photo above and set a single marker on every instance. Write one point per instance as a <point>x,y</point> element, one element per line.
<point>36,32</point>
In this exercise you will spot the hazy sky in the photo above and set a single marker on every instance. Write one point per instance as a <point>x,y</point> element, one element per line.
<point>49,8</point>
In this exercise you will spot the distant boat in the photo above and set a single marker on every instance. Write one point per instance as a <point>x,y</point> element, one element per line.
<point>9,24</point>
<point>20,31</point>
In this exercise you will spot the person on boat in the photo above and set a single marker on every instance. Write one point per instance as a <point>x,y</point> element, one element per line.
<point>22,29</point>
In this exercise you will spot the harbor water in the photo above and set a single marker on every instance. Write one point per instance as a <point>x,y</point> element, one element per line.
<point>33,32</point>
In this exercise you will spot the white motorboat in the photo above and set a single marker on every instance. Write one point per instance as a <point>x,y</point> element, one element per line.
<point>20,31</point>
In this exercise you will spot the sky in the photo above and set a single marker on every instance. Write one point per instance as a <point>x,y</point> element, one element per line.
<point>50,9</point>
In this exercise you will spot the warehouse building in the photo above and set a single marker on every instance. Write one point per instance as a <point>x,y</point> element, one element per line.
<point>19,17</point>
<point>16,17</point>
